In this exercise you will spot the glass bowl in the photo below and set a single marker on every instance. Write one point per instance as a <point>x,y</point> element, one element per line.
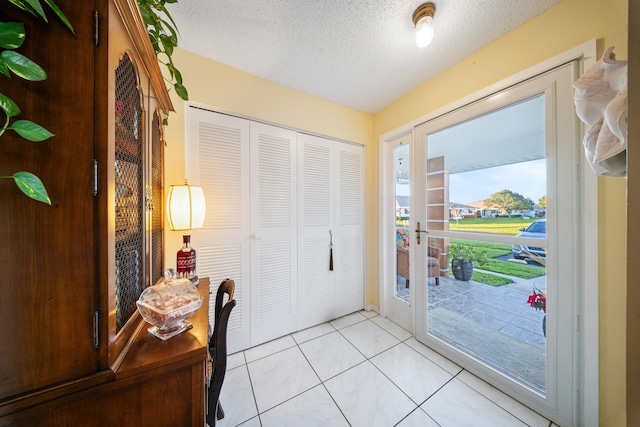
<point>167,305</point>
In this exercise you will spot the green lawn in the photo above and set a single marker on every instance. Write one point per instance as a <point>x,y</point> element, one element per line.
<point>510,226</point>
<point>493,249</point>
<point>523,271</point>
<point>489,279</point>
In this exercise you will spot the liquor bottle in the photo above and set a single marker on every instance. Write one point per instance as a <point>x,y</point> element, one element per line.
<point>186,259</point>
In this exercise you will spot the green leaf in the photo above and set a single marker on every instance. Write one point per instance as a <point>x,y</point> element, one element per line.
<point>148,17</point>
<point>171,31</point>
<point>22,66</point>
<point>31,131</point>
<point>3,69</point>
<point>166,12</point>
<point>12,35</point>
<point>172,70</point>
<point>23,6</point>
<point>35,5</point>
<point>60,15</point>
<point>31,185</point>
<point>8,106</point>
<point>178,75</point>
<point>167,44</point>
<point>181,91</point>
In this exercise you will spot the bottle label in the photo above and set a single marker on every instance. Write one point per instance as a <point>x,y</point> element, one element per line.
<point>186,264</point>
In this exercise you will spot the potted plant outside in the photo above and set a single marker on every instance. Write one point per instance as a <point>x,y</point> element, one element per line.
<point>538,300</point>
<point>462,258</point>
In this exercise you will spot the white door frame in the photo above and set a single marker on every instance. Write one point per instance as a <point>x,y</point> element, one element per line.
<point>588,305</point>
<point>388,304</point>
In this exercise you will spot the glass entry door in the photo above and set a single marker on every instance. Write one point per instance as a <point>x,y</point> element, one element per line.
<point>398,287</point>
<point>495,196</point>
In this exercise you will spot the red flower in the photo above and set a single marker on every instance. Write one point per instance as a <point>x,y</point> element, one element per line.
<point>538,300</point>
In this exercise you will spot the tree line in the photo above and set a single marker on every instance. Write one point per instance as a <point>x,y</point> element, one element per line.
<point>510,201</point>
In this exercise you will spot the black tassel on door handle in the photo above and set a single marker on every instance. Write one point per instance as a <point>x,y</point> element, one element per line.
<point>331,251</point>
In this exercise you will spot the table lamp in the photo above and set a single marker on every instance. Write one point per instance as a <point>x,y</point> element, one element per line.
<point>185,211</point>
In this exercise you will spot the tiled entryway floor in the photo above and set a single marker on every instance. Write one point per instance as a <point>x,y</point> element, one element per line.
<point>360,370</point>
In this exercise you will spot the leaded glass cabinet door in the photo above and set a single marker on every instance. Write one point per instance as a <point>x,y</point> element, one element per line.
<point>129,191</point>
<point>155,200</point>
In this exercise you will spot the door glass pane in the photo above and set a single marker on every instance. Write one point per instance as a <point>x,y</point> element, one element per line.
<point>487,176</point>
<point>401,174</point>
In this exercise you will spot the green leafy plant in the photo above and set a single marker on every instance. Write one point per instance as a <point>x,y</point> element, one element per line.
<point>163,34</point>
<point>12,36</point>
<point>467,253</point>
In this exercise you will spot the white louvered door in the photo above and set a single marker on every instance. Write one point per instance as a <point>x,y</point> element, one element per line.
<point>331,209</point>
<point>273,195</point>
<point>219,162</point>
<point>273,232</point>
<point>316,181</point>
<point>348,250</point>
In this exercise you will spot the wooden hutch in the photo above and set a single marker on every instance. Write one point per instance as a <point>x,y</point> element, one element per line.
<point>73,348</point>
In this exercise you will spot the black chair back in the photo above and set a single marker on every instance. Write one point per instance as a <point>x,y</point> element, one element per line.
<point>218,349</point>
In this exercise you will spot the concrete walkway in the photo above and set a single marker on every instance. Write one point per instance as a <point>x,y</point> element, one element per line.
<point>493,324</point>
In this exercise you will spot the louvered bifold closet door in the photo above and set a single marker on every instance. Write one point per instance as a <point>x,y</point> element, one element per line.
<point>219,162</point>
<point>316,210</point>
<point>349,225</point>
<point>273,232</point>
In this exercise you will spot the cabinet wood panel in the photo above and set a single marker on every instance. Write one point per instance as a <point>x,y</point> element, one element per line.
<point>48,269</point>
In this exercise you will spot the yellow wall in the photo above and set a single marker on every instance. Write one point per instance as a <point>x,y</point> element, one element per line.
<point>562,27</point>
<point>566,25</point>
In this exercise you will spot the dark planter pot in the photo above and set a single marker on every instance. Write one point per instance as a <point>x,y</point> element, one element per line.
<point>462,270</point>
<point>544,325</point>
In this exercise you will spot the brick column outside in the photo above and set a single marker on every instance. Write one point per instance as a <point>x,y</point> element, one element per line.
<point>438,208</point>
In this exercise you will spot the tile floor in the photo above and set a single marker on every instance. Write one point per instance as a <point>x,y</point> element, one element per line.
<point>360,370</point>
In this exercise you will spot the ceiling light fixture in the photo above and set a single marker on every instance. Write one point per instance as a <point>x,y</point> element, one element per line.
<point>422,19</point>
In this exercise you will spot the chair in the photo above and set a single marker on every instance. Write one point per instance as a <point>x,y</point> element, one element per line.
<point>433,263</point>
<point>402,263</point>
<point>218,350</point>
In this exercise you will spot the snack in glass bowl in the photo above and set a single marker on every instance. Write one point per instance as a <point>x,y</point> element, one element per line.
<point>168,304</point>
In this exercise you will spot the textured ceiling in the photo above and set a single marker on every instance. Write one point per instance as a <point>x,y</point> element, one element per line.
<point>360,54</point>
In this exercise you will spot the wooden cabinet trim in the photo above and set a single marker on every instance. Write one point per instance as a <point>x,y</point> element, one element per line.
<point>130,13</point>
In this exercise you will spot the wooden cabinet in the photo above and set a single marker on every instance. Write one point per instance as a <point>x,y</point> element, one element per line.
<point>72,339</point>
<point>47,258</point>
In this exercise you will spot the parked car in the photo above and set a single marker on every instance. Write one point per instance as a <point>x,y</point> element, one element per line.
<point>538,230</point>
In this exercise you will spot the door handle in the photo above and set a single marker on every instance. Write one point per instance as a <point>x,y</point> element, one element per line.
<point>418,231</point>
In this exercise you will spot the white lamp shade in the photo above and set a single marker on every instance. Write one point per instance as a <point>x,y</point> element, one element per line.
<point>424,31</point>
<point>185,207</point>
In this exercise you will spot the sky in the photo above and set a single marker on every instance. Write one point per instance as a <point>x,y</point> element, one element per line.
<point>528,179</point>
